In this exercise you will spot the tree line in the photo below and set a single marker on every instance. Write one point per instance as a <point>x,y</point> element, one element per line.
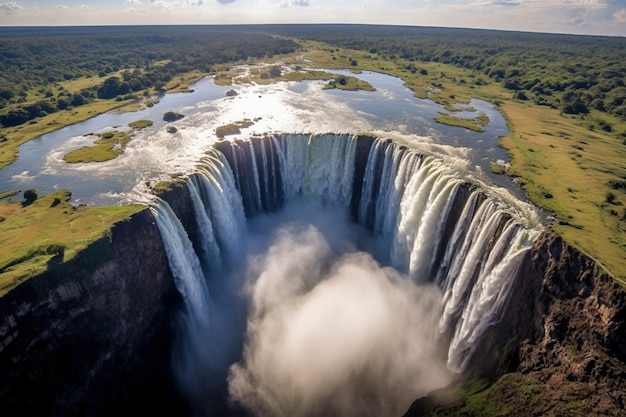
<point>569,72</point>
<point>35,62</point>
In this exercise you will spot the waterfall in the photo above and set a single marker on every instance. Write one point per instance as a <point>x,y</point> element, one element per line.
<point>473,254</point>
<point>439,230</point>
<point>184,263</point>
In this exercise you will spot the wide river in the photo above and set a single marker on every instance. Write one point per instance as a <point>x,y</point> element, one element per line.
<point>391,111</point>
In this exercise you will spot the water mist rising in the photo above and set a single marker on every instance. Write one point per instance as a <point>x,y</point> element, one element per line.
<point>331,329</point>
<point>334,334</point>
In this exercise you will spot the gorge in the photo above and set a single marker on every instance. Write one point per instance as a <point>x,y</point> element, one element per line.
<point>313,275</point>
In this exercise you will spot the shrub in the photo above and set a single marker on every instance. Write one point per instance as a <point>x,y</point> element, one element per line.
<point>171,116</point>
<point>30,196</point>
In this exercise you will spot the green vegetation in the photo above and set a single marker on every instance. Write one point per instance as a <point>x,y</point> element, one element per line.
<point>164,186</point>
<point>109,146</point>
<point>342,82</point>
<point>140,124</point>
<point>7,194</point>
<point>171,116</point>
<point>497,168</point>
<point>449,120</point>
<point>567,117</point>
<point>510,393</point>
<point>50,78</point>
<point>34,236</point>
<point>232,128</point>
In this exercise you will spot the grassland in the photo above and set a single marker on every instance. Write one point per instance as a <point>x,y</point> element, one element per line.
<point>50,230</point>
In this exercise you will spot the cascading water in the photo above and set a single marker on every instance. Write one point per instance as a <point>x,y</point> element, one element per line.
<point>441,234</point>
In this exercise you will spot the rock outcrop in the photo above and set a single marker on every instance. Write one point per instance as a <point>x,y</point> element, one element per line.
<point>92,335</point>
<point>559,350</point>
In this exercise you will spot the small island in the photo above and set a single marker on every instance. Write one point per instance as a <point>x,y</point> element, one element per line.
<point>233,128</point>
<point>476,124</point>
<point>172,116</point>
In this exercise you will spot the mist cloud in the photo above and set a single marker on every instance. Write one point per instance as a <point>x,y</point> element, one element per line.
<point>334,336</point>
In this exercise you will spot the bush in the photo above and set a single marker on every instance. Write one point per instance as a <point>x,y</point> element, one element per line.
<point>30,196</point>
<point>171,116</point>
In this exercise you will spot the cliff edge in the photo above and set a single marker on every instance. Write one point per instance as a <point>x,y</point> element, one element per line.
<point>92,335</point>
<point>560,349</point>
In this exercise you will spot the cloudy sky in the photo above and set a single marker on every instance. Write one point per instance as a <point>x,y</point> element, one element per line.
<point>603,17</point>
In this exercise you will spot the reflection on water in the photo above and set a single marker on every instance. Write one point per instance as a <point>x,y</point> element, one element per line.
<point>303,107</point>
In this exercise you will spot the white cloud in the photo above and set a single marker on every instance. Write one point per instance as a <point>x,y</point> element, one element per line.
<point>133,2</point>
<point>11,6</point>
<point>301,3</point>
<point>158,4</point>
<point>84,7</point>
<point>225,1</point>
<point>620,16</point>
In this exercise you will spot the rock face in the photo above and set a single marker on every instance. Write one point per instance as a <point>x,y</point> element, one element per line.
<point>579,348</point>
<point>559,350</point>
<point>91,336</point>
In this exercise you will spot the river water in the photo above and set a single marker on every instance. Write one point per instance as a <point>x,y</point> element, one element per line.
<point>390,111</point>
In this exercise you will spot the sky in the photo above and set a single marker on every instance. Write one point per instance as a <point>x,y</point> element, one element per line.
<point>591,17</point>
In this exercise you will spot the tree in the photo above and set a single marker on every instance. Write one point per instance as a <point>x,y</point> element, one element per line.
<point>30,196</point>
<point>110,88</point>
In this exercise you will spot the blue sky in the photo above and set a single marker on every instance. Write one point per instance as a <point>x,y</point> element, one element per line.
<point>602,17</point>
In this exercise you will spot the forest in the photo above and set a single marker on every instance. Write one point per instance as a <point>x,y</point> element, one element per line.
<point>575,74</point>
<point>35,63</point>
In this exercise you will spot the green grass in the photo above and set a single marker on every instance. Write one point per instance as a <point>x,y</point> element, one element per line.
<point>232,128</point>
<point>497,169</point>
<point>109,146</point>
<point>9,194</point>
<point>140,124</point>
<point>348,83</point>
<point>464,123</point>
<point>50,229</point>
<point>510,393</point>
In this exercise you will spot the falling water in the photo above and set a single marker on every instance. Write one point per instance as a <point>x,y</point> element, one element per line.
<point>439,229</point>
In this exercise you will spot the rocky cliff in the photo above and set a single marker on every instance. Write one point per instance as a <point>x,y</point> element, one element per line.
<point>91,336</point>
<point>560,349</point>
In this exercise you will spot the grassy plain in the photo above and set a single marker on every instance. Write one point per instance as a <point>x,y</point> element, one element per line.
<point>48,231</point>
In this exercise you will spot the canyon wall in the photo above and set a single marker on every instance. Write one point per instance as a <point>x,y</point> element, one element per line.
<point>559,350</point>
<point>92,335</point>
